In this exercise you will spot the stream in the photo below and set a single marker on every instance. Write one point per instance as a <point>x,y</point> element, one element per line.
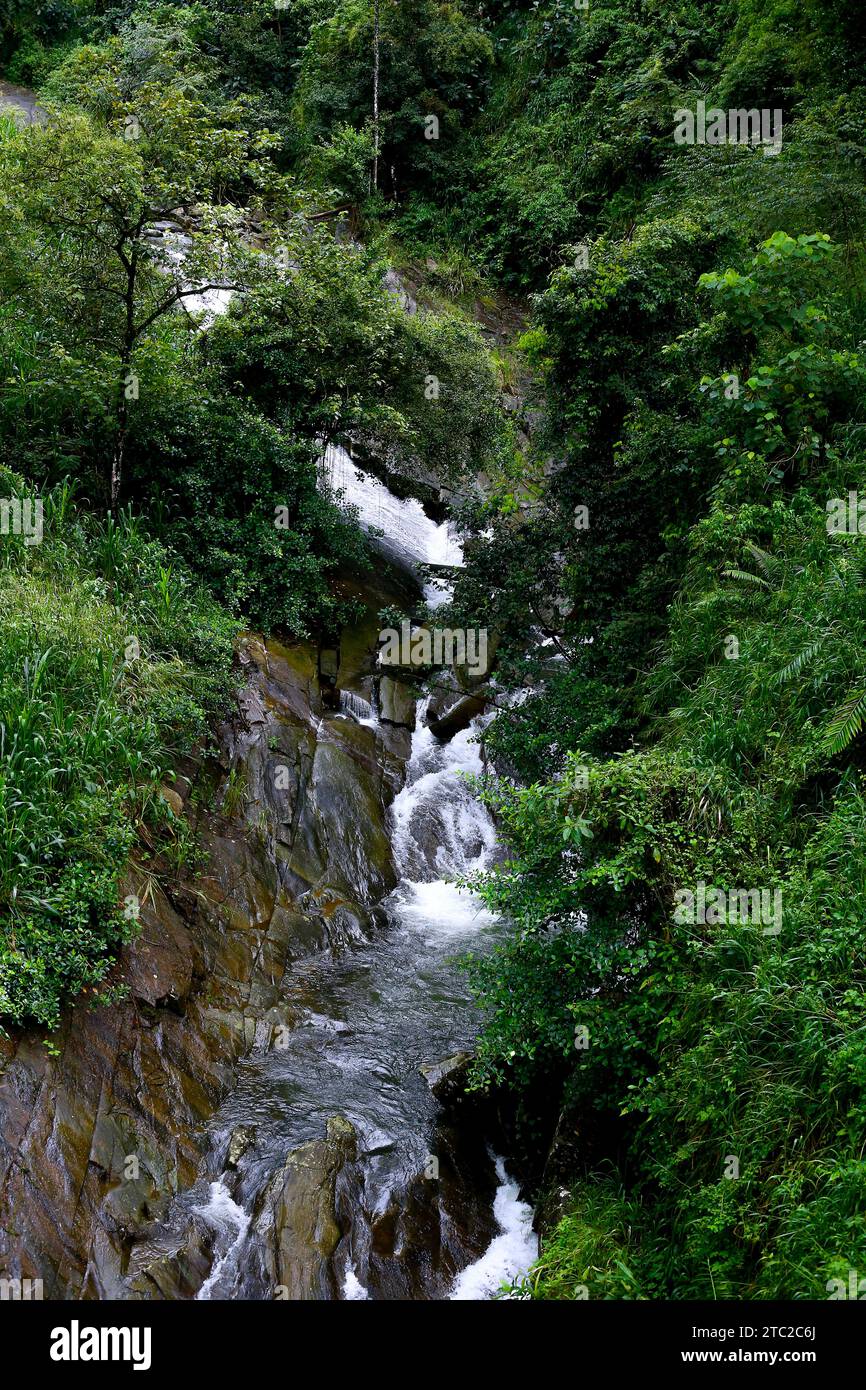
<point>367,1020</point>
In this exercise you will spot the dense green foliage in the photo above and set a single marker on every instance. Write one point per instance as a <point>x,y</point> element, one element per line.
<point>702,719</point>
<point>112,663</point>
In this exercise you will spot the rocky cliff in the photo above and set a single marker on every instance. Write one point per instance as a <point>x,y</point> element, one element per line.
<point>103,1124</point>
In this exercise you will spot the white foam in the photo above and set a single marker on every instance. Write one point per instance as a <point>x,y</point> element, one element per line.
<point>231,1223</point>
<point>353,1289</point>
<point>510,1254</point>
<point>441,909</point>
<point>436,594</point>
<point>436,807</point>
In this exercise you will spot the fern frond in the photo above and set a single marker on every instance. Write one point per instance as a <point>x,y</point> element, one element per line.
<point>764,561</point>
<point>853,568</point>
<point>793,668</point>
<point>745,577</point>
<point>846,722</point>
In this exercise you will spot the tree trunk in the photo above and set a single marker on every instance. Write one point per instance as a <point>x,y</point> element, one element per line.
<point>130,265</point>
<point>375,93</point>
<point>119,445</point>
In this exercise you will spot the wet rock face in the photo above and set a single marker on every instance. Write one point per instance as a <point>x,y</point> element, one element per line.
<point>438,1223</point>
<point>319,1237</point>
<point>396,702</point>
<point>97,1136</point>
<point>300,1211</point>
<point>447,1079</point>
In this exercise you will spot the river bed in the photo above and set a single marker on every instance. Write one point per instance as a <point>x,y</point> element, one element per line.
<point>368,1021</point>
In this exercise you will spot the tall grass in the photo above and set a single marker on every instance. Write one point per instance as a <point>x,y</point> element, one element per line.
<point>9,127</point>
<point>110,664</point>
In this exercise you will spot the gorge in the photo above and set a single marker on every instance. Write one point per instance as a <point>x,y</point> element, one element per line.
<point>432,702</point>
<point>255,1120</point>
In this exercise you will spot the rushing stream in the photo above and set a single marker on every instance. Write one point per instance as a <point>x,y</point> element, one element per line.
<point>368,1019</point>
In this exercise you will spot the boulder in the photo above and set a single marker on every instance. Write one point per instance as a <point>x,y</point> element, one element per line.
<point>243,1138</point>
<point>447,1078</point>
<point>299,1211</point>
<point>458,717</point>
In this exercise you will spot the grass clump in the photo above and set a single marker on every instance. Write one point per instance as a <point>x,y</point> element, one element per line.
<point>111,665</point>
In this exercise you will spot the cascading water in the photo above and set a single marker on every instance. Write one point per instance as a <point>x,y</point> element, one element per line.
<point>362,1025</point>
<point>509,1254</point>
<point>356,707</point>
<point>441,832</point>
<point>230,1224</point>
<point>440,828</point>
<point>407,535</point>
<point>369,1020</point>
<point>173,246</point>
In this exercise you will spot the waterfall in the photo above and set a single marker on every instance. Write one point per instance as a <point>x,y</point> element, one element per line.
<point>440,829</point>
<point>231,1223</point>
<point>409,536</point>
<point>356,707</point>
<point>510,1254</point>
<point>368,1022</point>
<point>171,245</point>
<point>353,1289</point>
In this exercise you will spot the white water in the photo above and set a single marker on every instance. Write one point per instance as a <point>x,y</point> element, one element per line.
<point>358,708</point>
<point>437,807</point>
<point>231,1224</point>
<point>408,530</point>
<point>510,1254</point>
<point>353,1289</point>
<point>441,832</point>
<point>371,1019</point>
<point>209,303</point>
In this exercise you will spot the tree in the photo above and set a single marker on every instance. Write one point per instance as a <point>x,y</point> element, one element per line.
<point>427,59</point>
<point>84,197</point>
